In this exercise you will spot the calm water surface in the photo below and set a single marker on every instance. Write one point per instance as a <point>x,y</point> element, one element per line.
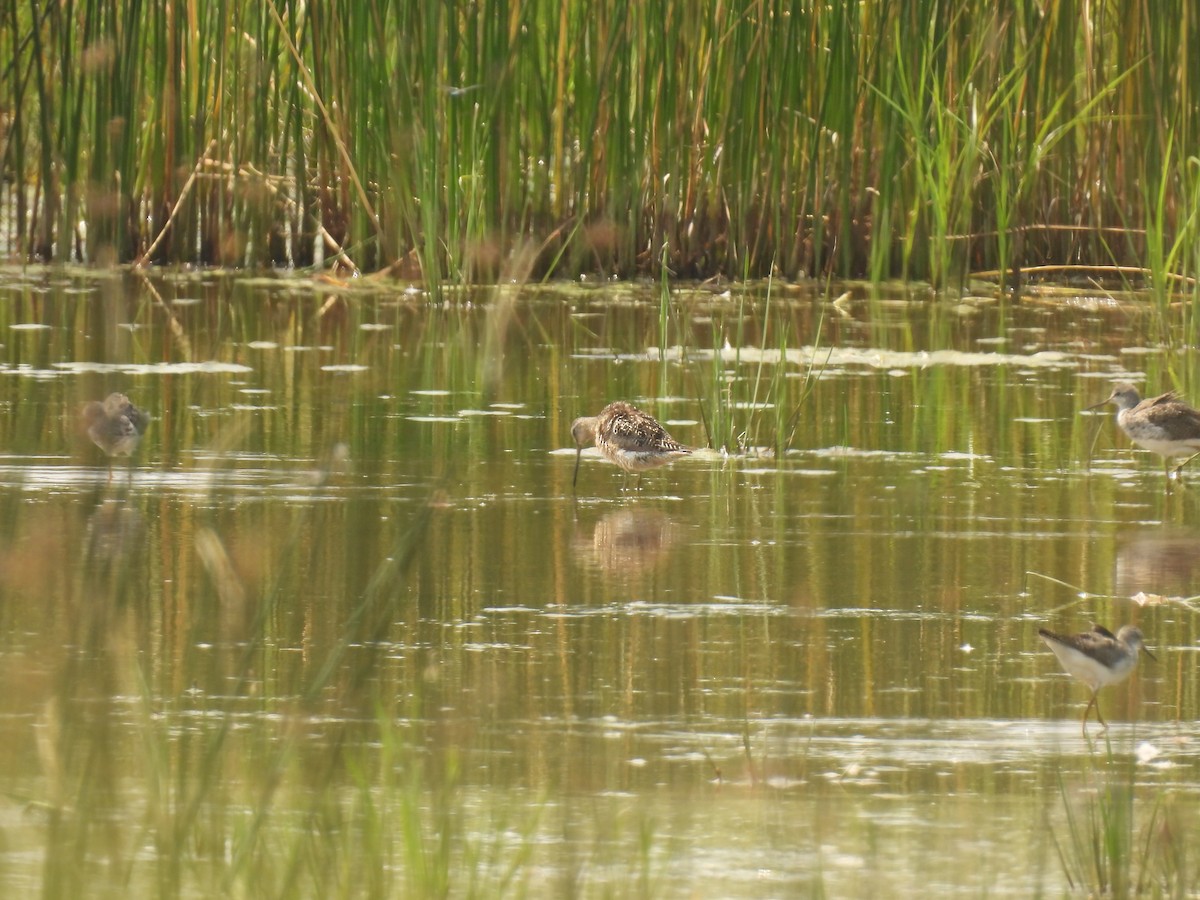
<point>344,628</point>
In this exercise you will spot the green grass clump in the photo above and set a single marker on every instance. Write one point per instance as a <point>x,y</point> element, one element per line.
<point>1106,852</point>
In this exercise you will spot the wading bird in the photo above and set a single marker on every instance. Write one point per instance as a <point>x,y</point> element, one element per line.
<point>1164,424</point>
<point>1097,657</point>
<point>625,435</point>
<point>115,426</point>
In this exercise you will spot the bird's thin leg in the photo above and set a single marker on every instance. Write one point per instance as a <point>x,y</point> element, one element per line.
<point>1188,460</point>
<point>1091,703</point>
<point>1098,716</point>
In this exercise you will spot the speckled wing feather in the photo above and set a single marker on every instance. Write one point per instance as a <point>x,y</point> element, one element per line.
<point>1168,397</point>
<point>630,429</point>
<point>117,405</point>
<point>123,427</point>
<point>1177,420</point>
<point>137,418</point>
<point>1099,643</point>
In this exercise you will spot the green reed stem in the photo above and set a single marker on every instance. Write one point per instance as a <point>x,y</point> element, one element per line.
<point>745,139</point>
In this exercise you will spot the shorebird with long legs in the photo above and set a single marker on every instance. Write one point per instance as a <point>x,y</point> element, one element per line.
<point>115,426</point>
<point>1164,424</point>
<point>626,436</point>
<point>1097,657</point>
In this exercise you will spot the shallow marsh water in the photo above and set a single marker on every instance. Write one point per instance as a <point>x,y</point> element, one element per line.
<point>345,628</point>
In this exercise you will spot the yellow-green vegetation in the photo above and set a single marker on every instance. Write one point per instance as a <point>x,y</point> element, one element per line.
<point>433,139</point>
<point>1115,845</point>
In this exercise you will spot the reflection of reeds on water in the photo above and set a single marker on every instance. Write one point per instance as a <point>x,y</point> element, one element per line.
<point>180,751</point>
<point>235,617</point>
<point>627,541</point>
<point>1152,563</point>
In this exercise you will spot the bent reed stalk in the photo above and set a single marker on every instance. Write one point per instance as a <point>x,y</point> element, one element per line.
<point>429,139</point>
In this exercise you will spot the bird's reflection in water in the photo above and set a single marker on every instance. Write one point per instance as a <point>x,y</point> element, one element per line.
<point>114,533</point>
<point>627,541</point>
<point>1164,564</point>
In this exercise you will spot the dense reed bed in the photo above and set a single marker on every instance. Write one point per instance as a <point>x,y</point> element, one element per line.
<point>434,139</point>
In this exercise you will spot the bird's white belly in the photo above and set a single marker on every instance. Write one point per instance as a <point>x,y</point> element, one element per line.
<point>1168,448</point>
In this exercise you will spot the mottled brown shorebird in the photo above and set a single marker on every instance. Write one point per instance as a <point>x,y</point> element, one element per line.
<point>1097,657</point>
<point>632,439</point>
<point>115,426</point>
<point>1164,424</point>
